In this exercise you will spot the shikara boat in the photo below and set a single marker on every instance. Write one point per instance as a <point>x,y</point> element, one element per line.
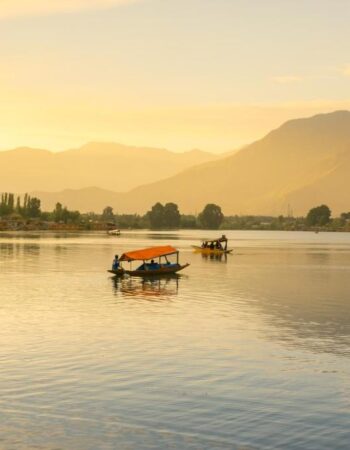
<point>214,246</point>
<point>150,267</point>
<point>113,232</point>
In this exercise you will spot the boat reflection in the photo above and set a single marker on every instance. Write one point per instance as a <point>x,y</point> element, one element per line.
<point>215,257</point>
<point>152,288</point>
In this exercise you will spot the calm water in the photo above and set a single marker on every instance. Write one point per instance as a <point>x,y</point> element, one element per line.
<point>247,352</point>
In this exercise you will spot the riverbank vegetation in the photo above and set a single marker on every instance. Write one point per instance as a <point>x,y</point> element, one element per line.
<point>25,213</point>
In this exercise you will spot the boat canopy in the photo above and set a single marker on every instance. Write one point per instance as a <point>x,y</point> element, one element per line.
<point>223,238</point>
<point>148,253</point>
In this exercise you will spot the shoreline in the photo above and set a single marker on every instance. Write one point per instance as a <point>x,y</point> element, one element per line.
<point>75,229</point>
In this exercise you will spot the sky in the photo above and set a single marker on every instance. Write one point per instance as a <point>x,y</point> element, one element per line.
<point>179,74</point>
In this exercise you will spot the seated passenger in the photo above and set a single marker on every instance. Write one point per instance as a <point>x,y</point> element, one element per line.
<point>153,265</point>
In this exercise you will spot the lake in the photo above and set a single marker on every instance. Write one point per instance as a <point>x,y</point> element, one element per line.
<point>251,351</point>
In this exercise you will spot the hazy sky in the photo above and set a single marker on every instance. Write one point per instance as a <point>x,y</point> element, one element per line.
<point>213,74</point>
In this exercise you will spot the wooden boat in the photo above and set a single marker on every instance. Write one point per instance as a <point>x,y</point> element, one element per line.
<point>213,246</point>
<point>149,267</point>
<point>114,232</point>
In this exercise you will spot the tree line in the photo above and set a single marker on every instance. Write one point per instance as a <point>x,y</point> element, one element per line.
<point>28,207</point>
<point>168,216</point>
<point>159,216</point>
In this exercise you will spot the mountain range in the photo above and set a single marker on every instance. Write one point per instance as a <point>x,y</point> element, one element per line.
<point>303,163</point>
<point>106,165</point>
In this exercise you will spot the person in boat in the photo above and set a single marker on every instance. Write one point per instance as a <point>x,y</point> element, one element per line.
<point>218,245</point>
<point>212,246</point>
<point>224,239</point>
<point>115,264</point>
<point>153,265</point>
<point>149,266</point>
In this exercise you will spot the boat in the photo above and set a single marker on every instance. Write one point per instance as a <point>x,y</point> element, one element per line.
<point>214,246</point>
<point>149,267</point>
<point>114,232</point>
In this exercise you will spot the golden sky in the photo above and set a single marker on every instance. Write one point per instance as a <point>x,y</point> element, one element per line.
<point>179,74</point>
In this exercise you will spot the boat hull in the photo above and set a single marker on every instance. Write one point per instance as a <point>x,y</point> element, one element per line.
<point>118,272</point>
<point>211,251</point>
<point>150,272</point>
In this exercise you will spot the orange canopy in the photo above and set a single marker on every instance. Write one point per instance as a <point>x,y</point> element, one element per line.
<point>148,253</point>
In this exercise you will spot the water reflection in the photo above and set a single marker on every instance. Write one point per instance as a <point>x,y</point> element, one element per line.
<point>152,288</point>
<point>163,236</point>
<point>220,360</point>
<point>16,255</point>
<point>215,257</point>
<point>319,256</point>
<point>15,235</point>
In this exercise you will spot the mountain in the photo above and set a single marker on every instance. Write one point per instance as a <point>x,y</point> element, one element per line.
<point>91,199</point>
<point>110,166</point>
<point>303,163</point>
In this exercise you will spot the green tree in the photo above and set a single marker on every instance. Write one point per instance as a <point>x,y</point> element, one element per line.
<point>11,203</point>
<point>7,204</point>
<point>62,214</point>
<point>2,206</point>
<point>156,216</point>
<point>18,205</point>
<point>188,221</point>
<point>70,216</point>
<point>25,203</point>
<point>321,215</point>
<point>5,201</point>
<point>345,216</point>
<point>211,217</point>
<point>107,214</point>
<point>57,212</point>
<point>171,216</point>
<point>33,207</point>
<point>132,221</point>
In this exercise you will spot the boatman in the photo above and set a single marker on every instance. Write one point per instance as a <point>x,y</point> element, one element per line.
<point>115,265</point>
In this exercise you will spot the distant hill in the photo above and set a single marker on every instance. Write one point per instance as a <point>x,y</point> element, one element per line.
<point>106,165</point>
<point>90,199</point>
<point>303,163</point>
